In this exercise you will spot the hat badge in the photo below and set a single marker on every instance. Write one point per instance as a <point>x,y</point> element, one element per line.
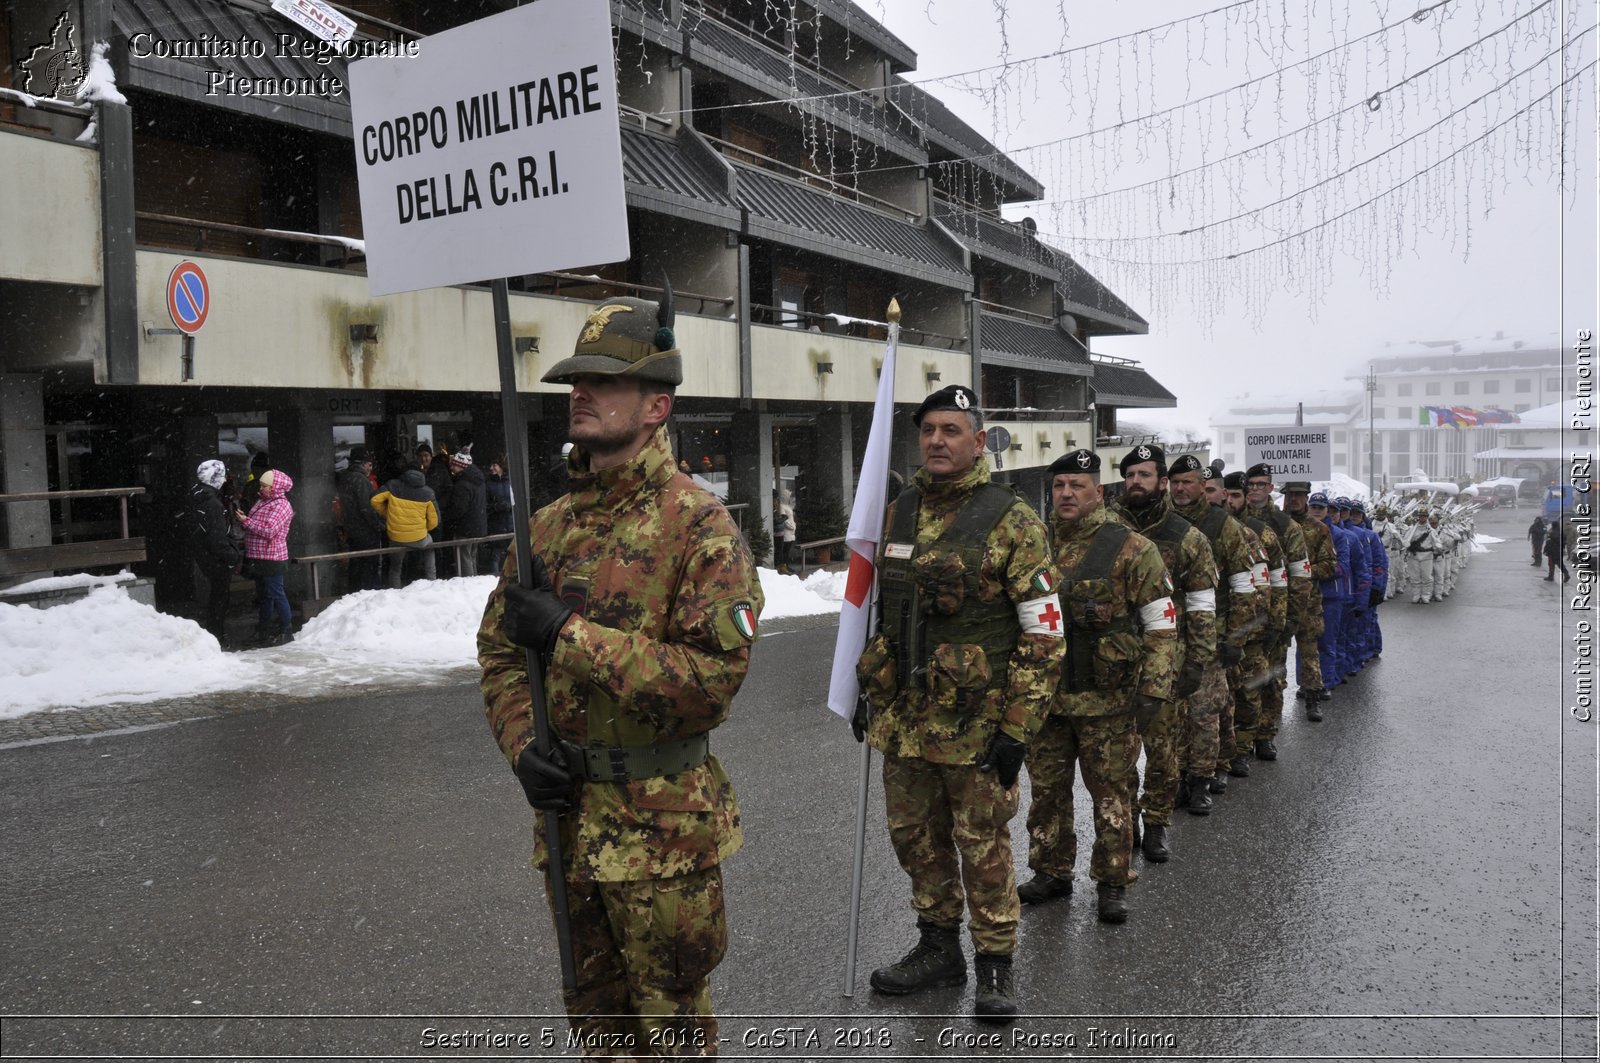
<point>1083,461</point>
<point>1143,452</point>
<point>962,402</point>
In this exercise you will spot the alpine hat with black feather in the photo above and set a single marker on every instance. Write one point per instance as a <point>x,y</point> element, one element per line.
<point>625,337</point>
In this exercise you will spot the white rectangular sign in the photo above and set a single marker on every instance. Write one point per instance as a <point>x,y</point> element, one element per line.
<point>1295,453</point>
<point>318,17</point>
<point>494,152</point>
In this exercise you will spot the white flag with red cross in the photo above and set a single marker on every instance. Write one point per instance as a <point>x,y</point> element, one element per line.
<point>864,534</point>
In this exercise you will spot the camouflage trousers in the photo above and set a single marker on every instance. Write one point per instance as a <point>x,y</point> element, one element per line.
<point>1182,741</point>
<point>1163,744</point>
<point>1308,658</point>
<point>644,954</point>
<point>1225,720</point>
<point>1205,708</point>
<point>949,827</point>
<point>1270,717</point>
<point>1249,680</point>
<point>1106,749</point>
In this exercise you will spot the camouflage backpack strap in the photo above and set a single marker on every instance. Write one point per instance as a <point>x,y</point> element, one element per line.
<point>1212,524</point>
<point>1097,560</point>
<point>988,504</point>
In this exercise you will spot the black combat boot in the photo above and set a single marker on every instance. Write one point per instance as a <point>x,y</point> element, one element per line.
<point>997,999</point>
<point>1265,750</point>
<point>1043,888</point>
<point>1199,800</point>
<point>1219,783</point>
<point>1154,845</point>
<point>934,961</point>
<point>1239,766</point>
<point>1113,905</point>
<point>1313,706</point>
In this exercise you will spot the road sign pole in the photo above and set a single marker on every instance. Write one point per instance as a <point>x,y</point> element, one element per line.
<point>517,470</point>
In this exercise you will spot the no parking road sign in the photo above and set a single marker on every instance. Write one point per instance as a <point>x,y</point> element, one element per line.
<point>188,297</point>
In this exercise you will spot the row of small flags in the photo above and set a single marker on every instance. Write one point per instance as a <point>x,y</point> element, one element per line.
<point>1462,417</point>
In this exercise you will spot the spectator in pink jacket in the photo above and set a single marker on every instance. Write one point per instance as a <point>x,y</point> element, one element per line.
<point>266,551</point>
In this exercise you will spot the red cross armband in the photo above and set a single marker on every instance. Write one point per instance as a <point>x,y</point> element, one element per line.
<point>1041,616</point>
<point>1159,615</point>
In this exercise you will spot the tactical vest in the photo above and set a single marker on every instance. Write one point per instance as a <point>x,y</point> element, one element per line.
<point>1279,521</point>
<point>1092,613</point>
<point>919,615</point>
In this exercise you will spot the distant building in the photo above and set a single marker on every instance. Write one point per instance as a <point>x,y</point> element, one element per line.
<point>1467,376</point>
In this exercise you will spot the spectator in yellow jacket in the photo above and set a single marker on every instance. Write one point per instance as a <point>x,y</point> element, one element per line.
<point>407,507</point>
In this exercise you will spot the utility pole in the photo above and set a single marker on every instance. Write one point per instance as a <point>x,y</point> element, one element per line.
<point>1372,390</point>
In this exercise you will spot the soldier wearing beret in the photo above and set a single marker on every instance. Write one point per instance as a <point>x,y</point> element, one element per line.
<point>644,607</point>
<point>1180,747</point>
<point>954,688</point>
<point>1322,561</point>
<point>1237,610</point>
<point>1297,569</point>
<point>1121,669</point>
<point>1253,685</point>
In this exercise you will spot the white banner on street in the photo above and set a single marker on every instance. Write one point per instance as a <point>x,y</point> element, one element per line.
<point>1295,453</point>
<point>494,152</point>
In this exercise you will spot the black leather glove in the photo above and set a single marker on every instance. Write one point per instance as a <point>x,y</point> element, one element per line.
<point>1376,599</point>
<point>1189,679</point>
<point>1288,632</point>
<point>1145,710</point>
<point>545,779</point>
<point>534,617</point>
<point>1229,654</point>
<point>1004,758</point>
<point>860,718</point>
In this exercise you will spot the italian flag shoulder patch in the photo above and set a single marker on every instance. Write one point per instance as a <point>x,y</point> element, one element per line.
<point>1042,581</point>
<point>744,618</point>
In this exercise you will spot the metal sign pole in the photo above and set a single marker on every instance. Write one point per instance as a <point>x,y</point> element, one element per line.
<point>517,469</point>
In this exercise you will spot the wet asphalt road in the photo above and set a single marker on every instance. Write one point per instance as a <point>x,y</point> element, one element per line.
<point>1413,877</point>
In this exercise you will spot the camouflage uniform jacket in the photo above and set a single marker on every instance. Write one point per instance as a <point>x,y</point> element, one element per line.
<point>1236,564</point>
<point>929,724</point>
<point>1140,595</point>
<point>1319,548</point>
<point>1193,571</point>
<point>1296,558</point>
<point>1277,583</point>
<point>657,655</point>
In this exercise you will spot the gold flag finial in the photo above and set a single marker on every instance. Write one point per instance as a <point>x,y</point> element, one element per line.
<point>894,311</point>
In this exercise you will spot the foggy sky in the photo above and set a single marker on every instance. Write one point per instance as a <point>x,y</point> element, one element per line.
<point>1512,280</point>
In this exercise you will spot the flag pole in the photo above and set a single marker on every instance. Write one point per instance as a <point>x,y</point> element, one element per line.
<point>858,861</point>
<point>517,470</point>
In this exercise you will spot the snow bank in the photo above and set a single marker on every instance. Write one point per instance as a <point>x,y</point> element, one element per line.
<point>789,596</point>
<point>107,648</point>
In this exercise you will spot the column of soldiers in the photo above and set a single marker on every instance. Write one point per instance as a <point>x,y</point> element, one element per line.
<point>1178,603</point>
<point>1181,599</point>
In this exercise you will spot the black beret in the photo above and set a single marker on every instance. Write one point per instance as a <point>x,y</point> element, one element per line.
<point>1186,463</point>
<point>1234,481</point>
<point>1260,468</point>
<point>1141,453</point>
<point>1079,461</point>
<point>1297,487</point>
<point>954,397</point>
